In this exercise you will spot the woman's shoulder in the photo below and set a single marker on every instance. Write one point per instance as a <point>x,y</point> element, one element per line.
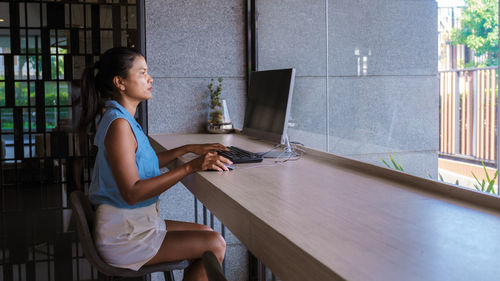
<point>108,117</point>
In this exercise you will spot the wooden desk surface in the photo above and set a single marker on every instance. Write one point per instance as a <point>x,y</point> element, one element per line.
<point>329,218</point>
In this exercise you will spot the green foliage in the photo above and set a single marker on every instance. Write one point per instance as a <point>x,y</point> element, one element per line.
<point>397,166</point>
<point>479,29</point>
<point>215,101</point>
<point>486,186</point>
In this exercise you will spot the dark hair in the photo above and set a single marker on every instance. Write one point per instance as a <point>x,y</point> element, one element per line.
<point>98,88</point>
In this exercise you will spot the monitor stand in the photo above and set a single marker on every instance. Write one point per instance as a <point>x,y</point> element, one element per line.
<point>286,152</point>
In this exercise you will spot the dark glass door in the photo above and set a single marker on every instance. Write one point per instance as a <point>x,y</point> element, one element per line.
<point>44,47</point>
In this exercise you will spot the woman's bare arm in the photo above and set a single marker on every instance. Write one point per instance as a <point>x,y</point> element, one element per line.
<point>165,157</point>
<point>121,145</point>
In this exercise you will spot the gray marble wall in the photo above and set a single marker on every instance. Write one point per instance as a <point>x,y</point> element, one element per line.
<point>366,84</point>
<point>187,44</point>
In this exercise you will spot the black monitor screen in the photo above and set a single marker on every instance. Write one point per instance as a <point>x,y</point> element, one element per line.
<point>268,104</point>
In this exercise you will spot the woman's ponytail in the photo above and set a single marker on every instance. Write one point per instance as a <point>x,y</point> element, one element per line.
<point>99,87</point>
<point>91,100</point>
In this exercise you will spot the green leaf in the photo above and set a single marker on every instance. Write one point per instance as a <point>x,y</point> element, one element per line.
<point>383,161</point>
<point>486,172</point>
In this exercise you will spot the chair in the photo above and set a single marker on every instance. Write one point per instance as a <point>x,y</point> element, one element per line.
<point>212,267</point>
<point>85,222</point>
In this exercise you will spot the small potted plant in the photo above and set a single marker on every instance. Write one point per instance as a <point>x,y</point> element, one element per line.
<point>218,116</point>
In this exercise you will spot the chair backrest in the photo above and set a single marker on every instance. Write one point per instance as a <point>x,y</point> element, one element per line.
<point>85,216</point>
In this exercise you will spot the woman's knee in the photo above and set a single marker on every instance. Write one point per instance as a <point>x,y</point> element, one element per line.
<point>205,227</point>
<point>218,246</point>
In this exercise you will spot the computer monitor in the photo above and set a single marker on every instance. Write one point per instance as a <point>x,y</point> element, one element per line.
<point>268,104</point>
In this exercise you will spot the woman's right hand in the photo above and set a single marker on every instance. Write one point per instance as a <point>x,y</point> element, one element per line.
<point>210,161</point>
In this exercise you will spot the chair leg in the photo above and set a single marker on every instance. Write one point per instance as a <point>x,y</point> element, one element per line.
<point>169,275</point>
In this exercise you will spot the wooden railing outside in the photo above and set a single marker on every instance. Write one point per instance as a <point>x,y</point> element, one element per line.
<point>468,109</point>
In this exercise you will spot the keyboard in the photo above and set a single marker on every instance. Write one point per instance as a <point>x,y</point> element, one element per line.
<point>238,155</point>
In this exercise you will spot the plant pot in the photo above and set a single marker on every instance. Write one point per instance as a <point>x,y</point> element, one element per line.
<point>219,128</point>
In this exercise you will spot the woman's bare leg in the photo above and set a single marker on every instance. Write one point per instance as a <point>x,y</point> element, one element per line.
<point>189,241</point>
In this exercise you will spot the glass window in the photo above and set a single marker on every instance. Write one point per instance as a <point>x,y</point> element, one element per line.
<point>50,118</point>
<point>77,16</point>
<point>106,16</point>
<point>7,119</point>
<point>5,17</point>
<point>21,93</point>
<point>366,84</point>
<point>34,41</point>
<point>2,68</point>
<point>35,67</point>
<point>4,41</point>
<point>20,67</point>
<point>2,93</point>
<point>106,40</point>
<point>33,10</point>
<point>50,93</point>
<point>64,98</point>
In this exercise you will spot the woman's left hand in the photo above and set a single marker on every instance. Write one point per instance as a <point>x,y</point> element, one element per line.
<point>201,149</point>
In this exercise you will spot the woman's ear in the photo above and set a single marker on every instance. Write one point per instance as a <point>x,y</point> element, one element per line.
<point>119,83</point>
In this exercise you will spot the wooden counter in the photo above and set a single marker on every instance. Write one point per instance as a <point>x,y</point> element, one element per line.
<point>325,217</point>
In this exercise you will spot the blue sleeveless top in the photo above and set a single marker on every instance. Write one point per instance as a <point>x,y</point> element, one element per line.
<point>103,188</point>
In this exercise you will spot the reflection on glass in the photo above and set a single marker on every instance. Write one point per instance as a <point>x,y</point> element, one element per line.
<point>4,41</point>
<point>32,94</point>
<point>57,67</point>
<point>65,117</point>
<point>33,119</point>
<point>60,68</point>
<point>132,19</point>
<point>22,35</point>
<point>81,40</point>
<point>77,15</point>
<point>33,14</point>
<point>34,41</point>
<point>44,15</point>
<point>85,37</point>
<point>106,16</point>
<point>6,152</point>
<point>64,93</point>
<point>21,93</point>
<point>106,40</point>
<point>20,67</point>
<point>53,67</point>
<point>26,120</point>
<point>66,16</point>
<point>2,93</point>
<point>50,93</point>
<point>2,69</point>
<point>53,42</point>
<point>88,13</point>
<point>131,1</point>
<point>22,15</point>
<point>5,16</point>
<point>78,66</point>
<point>63,41</point>
<point>35,67</point>
<point>50,117</point>
<point>124,38</point>
<point>7,119</point>
<point>123,12</point>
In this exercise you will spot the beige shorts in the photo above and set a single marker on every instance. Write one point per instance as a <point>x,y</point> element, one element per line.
<point>128,238</point>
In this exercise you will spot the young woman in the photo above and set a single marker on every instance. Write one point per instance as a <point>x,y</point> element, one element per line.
<point>126,180</point>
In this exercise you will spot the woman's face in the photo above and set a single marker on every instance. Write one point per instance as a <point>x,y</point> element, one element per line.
<point>138,84</point>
